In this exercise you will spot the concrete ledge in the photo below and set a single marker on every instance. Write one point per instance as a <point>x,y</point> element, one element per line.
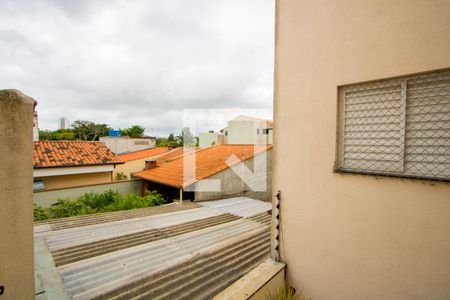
<point>265,279</point>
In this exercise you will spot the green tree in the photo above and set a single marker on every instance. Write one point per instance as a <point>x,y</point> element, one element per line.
<point>170,141</point>
<point>162,142</point>
<point>57,135</point>
<point>133,131</point>
<point>89,131</point>
<point>43,135</point>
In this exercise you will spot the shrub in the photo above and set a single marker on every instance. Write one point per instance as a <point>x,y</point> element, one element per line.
<point>121,176</point>
<point>98,201</point>
<point>131,201</point>
<point>40,213</point>
<point>91,203</point>
<point>286,292</point>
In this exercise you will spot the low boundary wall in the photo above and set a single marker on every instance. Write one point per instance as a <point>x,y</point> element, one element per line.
<point>49,197</point>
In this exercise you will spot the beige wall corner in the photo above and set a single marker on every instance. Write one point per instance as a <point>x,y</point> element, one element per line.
<point>349,236</point>
<point>16,213</point>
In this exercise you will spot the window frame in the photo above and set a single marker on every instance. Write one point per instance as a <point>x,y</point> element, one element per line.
<point>340,123</point>
<point>38,185</point>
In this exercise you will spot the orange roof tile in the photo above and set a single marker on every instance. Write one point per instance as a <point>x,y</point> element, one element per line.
<point>208,161</point>
<point>48,154</point>
<point>174,154</point>
<point>147,153</point>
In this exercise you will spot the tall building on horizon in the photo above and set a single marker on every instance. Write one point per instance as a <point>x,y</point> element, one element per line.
<point>64,123</point>
<point>35,127</point>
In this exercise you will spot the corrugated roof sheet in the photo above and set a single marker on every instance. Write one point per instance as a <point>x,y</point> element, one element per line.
<point>192,244</point>
<point>47,154</point>
<point>208,162</point>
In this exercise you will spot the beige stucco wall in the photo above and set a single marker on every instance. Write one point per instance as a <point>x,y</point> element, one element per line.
<point>64,181</point>
<point>16,205</point>
<point>231,185</point>
<point>130,167</point>
<point>355,236</point>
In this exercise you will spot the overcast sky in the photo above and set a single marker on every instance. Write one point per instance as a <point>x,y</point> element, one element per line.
<point>138,62</point>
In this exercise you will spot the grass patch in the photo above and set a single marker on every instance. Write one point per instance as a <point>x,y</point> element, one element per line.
<point>92,203</point>
<point>286,292</point>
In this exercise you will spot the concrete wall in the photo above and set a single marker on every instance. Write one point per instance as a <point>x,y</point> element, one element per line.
<point>47,198</point>
<point>232,185</point>
<point>130,167</point>
<point>66,181</point>
<point>124,144</point>
<point>16,213</point>
<point>349,236</point>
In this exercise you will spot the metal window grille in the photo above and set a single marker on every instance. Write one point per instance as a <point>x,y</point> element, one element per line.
<point>398,127</point>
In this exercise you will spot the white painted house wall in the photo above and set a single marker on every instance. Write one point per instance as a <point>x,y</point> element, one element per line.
<point>246,130</point>
<point>124,144</point>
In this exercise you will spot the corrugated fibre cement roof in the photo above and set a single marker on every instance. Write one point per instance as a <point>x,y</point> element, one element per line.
<point>176,251</point>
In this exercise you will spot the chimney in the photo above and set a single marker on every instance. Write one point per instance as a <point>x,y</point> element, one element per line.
<point>150,164</point>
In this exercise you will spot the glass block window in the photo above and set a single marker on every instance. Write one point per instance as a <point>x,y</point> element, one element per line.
<point>398,127</point>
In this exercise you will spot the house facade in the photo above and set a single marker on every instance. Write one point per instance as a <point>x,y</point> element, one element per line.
<point>167,176</point>
<point>135,161</point>
<point>362,95</point>
<point>248,130</point>
<point>240,130</point>
<point>126,144</point>
<point>64,164</point>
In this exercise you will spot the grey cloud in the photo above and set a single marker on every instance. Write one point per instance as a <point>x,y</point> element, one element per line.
<point>137,62</point>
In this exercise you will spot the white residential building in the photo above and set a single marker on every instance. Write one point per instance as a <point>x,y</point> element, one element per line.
<point>240,130</point>
<point>35,127</point>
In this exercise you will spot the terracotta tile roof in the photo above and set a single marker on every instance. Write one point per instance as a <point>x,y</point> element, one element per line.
<point>147,153</point>
<point>174,154</point>
<point>209,161</point>
<point>48,154</point>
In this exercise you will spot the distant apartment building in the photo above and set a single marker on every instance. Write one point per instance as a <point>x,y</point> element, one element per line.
<point>240,130</point>
<point>362,163</point>
<point>126,144</point>
<point>64,123</point>
<point>63,164</point>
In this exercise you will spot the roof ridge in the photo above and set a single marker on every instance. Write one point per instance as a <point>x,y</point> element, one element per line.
<point>66,141</point>
<point>208,164</point>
